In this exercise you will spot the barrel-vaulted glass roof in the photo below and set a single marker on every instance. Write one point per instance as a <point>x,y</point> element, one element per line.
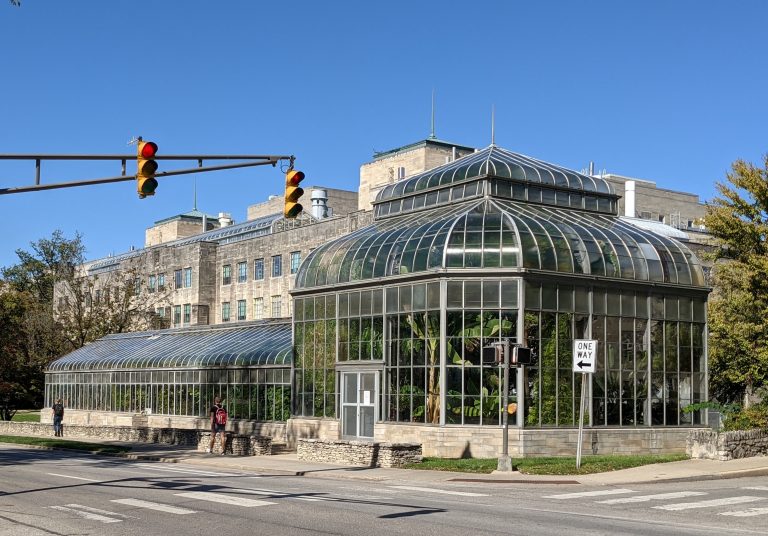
<point>247,344</point>
<point>498,234</point>
<point>495,162</point>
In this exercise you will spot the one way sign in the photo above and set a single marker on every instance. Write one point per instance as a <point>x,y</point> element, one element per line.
<point>584,355</point>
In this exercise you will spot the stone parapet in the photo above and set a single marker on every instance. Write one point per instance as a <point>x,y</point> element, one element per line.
<point>358,453</point>
<point>725,446</point>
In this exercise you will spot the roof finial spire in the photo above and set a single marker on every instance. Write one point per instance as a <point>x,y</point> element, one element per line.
<point>432,132</point>
<point>493,124</point>
<point>195,195</point>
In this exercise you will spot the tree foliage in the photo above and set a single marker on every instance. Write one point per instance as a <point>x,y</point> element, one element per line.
<point>49,306</point>
<point>738,307</point>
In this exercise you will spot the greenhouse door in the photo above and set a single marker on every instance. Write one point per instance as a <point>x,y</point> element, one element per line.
<point>358,408</point>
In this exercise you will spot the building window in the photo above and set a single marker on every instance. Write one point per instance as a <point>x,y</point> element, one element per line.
<point>277,266</point>
<point>258,308</point>
<point>97,296</point>
<point>242,272</point>
<point>258,269</point>
<point>276,306</point>
<point>177,278</point>
<point>160,282</point>
<point>187,277</point>
<point>295,261</point>
<point>187,313</point>
<point>241,309</point>
<point>225,311</point>
<point>136,287</point>
<point>226,274</point>
<point>176,315</point>
<point>151,284</point>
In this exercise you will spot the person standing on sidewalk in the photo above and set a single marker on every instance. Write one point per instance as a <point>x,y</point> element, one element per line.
<point>57,410</point>
<point>218,423</point>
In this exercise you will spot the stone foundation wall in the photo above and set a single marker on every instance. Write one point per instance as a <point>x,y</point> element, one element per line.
<point>727,445</point>
<point>358,453</point>
<point>237,444</point>
<point>486,441</point>
<point>311,428</point>
<point>274,430</point>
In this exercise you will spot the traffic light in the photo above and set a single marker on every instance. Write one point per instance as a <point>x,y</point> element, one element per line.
<point>293,193</point>
<point>522,356</point>
<point>146,168</point>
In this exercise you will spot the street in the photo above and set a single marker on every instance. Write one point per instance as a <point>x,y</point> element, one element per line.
<point>65,493</point>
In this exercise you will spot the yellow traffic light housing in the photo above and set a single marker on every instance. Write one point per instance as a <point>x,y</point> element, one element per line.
<point>146,167</point>
<point>292,194</point>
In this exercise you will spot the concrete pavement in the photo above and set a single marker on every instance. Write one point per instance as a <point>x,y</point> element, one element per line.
<point>289,464</point>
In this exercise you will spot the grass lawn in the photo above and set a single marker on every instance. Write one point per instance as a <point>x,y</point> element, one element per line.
<point>63,444</point>
<point>27,415</point>
<point>548,466</point>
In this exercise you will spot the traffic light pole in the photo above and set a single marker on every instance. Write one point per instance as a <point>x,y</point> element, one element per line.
<point>255,160</point>
<point>505,462</point>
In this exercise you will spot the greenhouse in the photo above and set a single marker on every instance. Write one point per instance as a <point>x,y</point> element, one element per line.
<point>179,372</point>
<point>390,320</point>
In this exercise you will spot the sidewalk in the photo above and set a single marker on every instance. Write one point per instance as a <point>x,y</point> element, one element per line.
<point>289,464</point>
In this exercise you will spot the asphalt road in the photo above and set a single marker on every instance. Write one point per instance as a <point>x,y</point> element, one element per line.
<point>64,493</point>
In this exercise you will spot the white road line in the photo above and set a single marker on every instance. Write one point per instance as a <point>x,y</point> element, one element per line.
<point>75,477</point>
<point>749,512</point>
<point>184,470</point>
<point>657,497</point>
<point>710,503</point>
<point>154,506</point>
<point>758,488</point>
<point>86,515</point>
<point>589,494</point>
<point>443,491</point>
<point>223,498</point>
<point>95,510</point>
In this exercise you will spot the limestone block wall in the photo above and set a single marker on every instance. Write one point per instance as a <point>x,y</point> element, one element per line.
<point>310,428</point>
<point>486,442</point>
<point>727,445</point>
<point>358,453</point>
<point>237,444</point>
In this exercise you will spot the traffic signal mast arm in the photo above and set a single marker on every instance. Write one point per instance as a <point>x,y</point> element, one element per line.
<point>251,161</point>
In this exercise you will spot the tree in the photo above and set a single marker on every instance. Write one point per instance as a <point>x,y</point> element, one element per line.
<point>738,307</point>
<point>51,305</point>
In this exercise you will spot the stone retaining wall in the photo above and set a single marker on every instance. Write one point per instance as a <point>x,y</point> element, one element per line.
<point>358,453</point>
<point>238,444</point>
<point>727,445</point>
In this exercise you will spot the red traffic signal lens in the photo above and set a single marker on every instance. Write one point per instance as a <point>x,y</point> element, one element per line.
<point>293,178</point>
<point>149,149</point>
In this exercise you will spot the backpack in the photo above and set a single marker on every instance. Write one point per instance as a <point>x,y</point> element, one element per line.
<point>58,410</point>
<point>220,416</point>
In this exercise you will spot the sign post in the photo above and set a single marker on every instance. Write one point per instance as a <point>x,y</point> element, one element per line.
<point>584,357</point>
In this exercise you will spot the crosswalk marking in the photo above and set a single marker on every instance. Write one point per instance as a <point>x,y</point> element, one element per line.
<point>443,491</point>
<point>749,512</point>
<point>74,477</point>
<point>223,498</point>
<point>656,497</point>
<point>84,513</point>
<point>598,493</point>
<point>713,502</point>
<point>185,470</point>
<point>154,506</point>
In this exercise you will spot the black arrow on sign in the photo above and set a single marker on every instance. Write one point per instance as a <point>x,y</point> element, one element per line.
<point>582,364</point>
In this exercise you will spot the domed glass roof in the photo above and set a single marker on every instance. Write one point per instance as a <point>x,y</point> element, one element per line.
<point>241,345</point>
<point>501,234</point>
<point>495,162</point>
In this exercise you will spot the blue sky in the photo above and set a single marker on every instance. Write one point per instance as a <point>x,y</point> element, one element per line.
<point>672,91</point>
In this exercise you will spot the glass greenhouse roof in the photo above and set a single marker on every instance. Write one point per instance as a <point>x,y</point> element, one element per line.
<point>248,344</point>
<point>496,162</point>
<point>500,234</point>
